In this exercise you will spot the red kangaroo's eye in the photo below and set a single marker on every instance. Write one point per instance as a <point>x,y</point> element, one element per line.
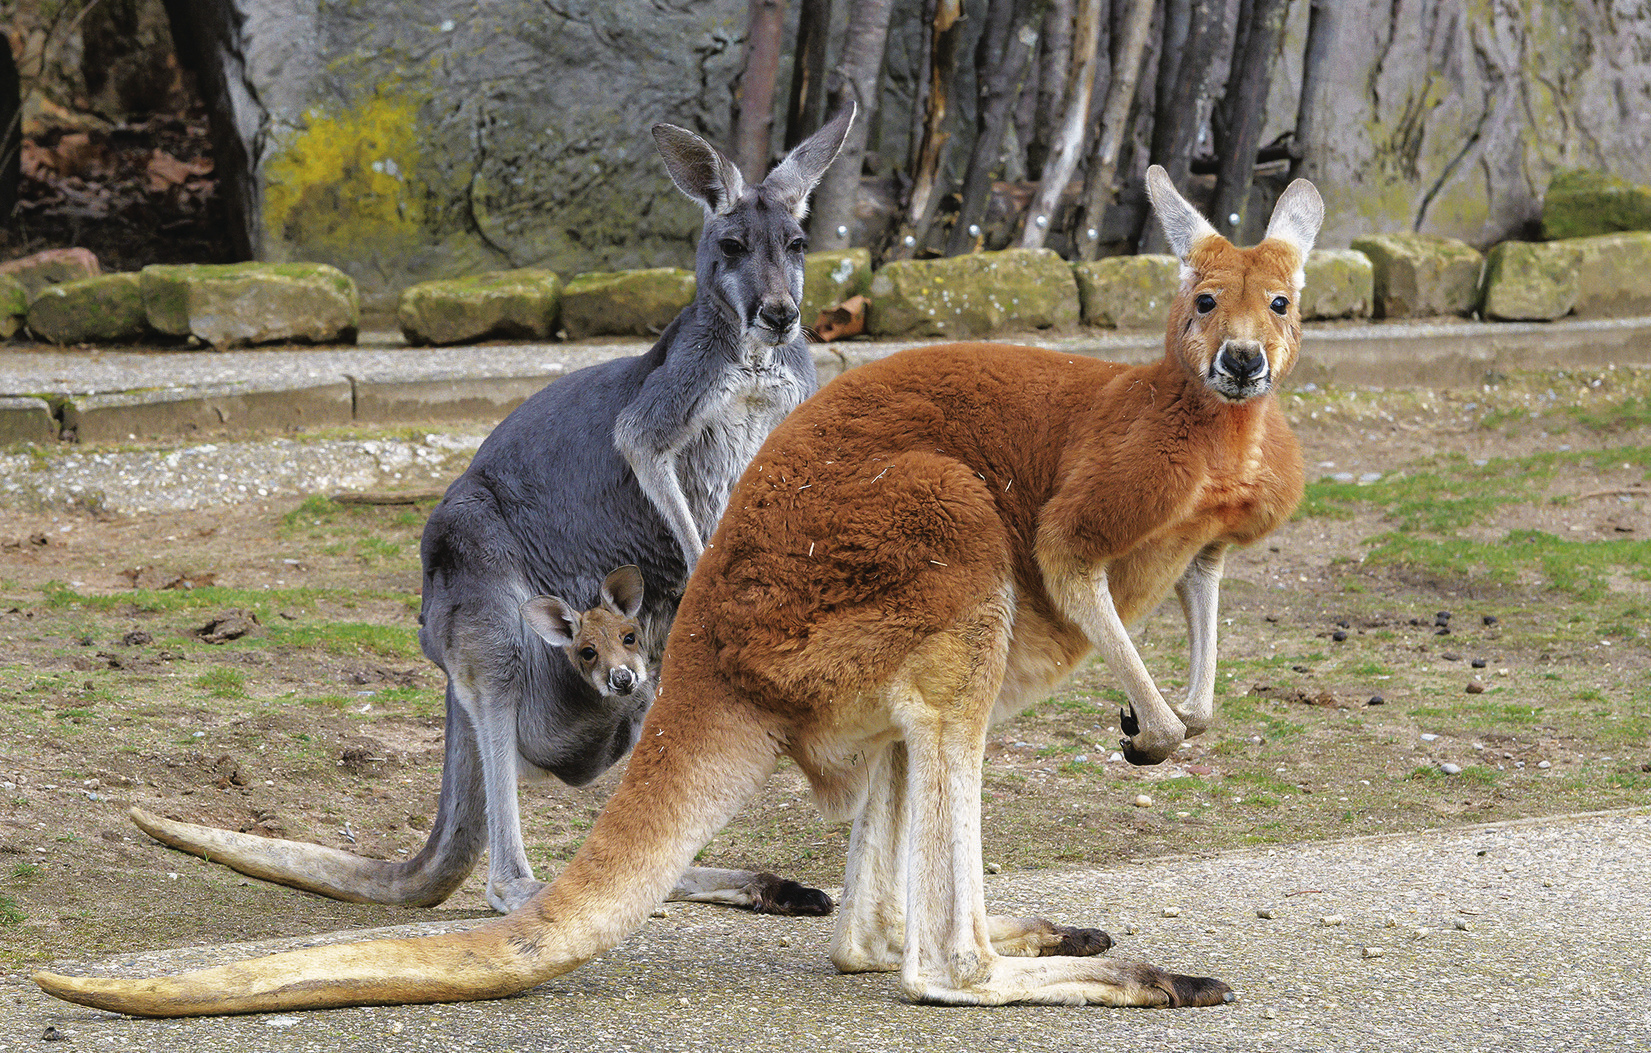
<point>1205,303</point>
<point>1280,305</point>
<point>588,653</point>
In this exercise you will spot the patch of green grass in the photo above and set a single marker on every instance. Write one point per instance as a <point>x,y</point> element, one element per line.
<point>351,638</point>
<point>376,549</point>
<point>10,912</point>
<point>25,872</point>
<point>1627,415</point>
<point>222,682</point>
<point>1575,568</point>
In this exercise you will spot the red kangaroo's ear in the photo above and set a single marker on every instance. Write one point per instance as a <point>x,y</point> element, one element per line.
<point>1297,217</point>
<point>1183,226</point>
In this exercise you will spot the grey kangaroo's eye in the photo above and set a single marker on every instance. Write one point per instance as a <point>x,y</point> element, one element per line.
<point>630,639</point>
<point>1280,305</point>
<point>798,245</point>
<point>588,653</point>
<point>1205,303</point>
<point>733,248</point>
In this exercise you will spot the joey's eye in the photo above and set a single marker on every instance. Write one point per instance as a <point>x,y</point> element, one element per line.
<point>798,245</point>
<point>733,248</point>
<point>630,639</point>
<point>1280,305</point>
<point>1205,303</point>
<point>588,653</point>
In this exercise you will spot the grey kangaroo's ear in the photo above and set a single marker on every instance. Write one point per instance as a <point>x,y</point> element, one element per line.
<point>793,178</point>
<point>698,170</point>
<point>1297,216</point>
<point>555,622</point>
<point>1183,226</point>
<point>622,591</point>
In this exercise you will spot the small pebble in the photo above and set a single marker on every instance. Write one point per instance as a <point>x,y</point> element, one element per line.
<point>1172,912</point>
<point>1450,769</point>
<point>1462,924</point>
<point>1373,952</point>
<point>1331,920</point>
<point>1391,922</point>
<point>660,912</point>
<point>1338,636</point>
<point>1377,700</point>
<point>1427,736</point>
<point>994,868</point>
<point>1269,1013</point>
<point>1475,687</point>
<point>1441,617</point>
<point>1490,619</point>
<point>1143,801</point>
<point>1132,930</point>
<point>1421,932</point>
<point>1543,764</point>
<point>1478,663</point>
<point>1265,914</point>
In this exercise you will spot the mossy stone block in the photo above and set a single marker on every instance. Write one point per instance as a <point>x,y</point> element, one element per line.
<point>236,304</point>
<point>51,267</point>
<point>1531,281</point>
<point>1128,292</point>
<point>503,304</point>
<point>625,303</point>
<point>1422,275</point>
<point>987,292</point>
<point>829,278</point>
<point>1341,283</point>
<point>108,307</point>
<point>1581,203</point>
<point>1613,275</point>
<point>14,306</point>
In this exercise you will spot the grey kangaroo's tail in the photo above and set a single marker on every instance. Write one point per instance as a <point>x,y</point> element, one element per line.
<point>456,839</point>
<point>690,774</point>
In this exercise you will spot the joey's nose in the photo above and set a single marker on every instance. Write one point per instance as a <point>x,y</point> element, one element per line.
<point>777,315</point>
<point>1243,359</point>
<point>622,680</point>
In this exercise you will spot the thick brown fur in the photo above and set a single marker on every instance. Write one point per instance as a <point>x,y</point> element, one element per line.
<point>926,547</point>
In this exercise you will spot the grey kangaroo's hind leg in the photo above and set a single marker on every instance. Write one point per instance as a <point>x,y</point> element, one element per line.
<point>449,854</point>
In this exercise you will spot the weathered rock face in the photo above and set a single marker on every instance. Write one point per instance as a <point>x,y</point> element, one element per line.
<point>625,303</point>
<point>50,268</point>
<point>14,306</point>
<point>1016,289</point>
<point>1418,276</point>
<point>1341,283</point>
<point>228,305</point>
<point>1614,275</point>
<point>399,139</point>
<point>521,303</point>
<point>109,307</point>
<point>1449,118</point>
<point>1128,292</point>
<point>1531,281</point>
<point>1581,203</point>
<point>829,278</point>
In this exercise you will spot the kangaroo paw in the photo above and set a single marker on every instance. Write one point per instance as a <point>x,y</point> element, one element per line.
<point>772,894</point>
<point>1195,990</point>
<point>1079,943</point>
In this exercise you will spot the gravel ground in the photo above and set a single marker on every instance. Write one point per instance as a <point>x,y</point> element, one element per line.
<point>1527,936</point>
<point>227,473</point>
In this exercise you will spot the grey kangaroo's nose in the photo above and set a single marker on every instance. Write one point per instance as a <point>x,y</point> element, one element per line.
<point>1243,359</point>
<point>622,680</point>
<point>777,315</point>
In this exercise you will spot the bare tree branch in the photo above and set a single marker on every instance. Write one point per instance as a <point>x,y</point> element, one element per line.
<point>931,153</point>
<point>1243,110</point>
<point>754,91</point>
<point>1002,58</point>
<point>1099,191</point>
<point>853,79</point>
<point>1068,145</point>
<point>806,109</point>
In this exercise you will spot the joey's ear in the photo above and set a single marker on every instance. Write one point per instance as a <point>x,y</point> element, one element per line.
<point>698,170</point>
<point>793,178</point>
<point>622,591</point>
<point>555,622</point>
<point>1183,226</point>
<point>1297,216</point>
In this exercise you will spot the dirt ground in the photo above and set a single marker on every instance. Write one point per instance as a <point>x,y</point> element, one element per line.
<point>1453,630</point>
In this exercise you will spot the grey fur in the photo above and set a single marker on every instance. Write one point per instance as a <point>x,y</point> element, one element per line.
<point>629,461</point>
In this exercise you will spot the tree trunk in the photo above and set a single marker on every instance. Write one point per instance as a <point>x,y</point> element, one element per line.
<point>1053,77</point>
<point>806,110</point>
<point>753,126</point>
<point>1322,21</point>
<point>1068,145</point>
<point>854,79</point>
<point>1192,31</point>
<point>1243,110</point>
<point>931,153</point>
<point>1001,60</point>
<point>11,139</point>
<point>1103,164</point>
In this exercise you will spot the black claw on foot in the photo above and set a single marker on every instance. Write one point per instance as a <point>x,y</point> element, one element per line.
<point>784,896</point>
<point>1127,722</point>
<point>1080,943</point>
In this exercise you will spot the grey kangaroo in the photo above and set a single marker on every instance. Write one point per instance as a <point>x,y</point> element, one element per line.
<point>626,462</point>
